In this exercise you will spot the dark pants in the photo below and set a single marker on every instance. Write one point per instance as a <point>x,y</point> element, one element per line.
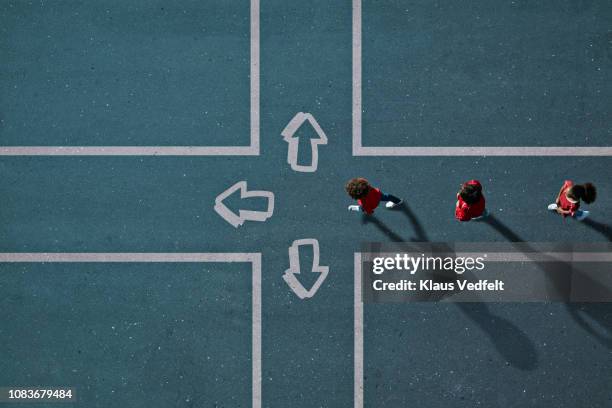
<point>389,197</point>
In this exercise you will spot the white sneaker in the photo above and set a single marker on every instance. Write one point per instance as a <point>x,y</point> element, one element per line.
<point>552,207</point>
<point>581,215</point>
<point>391,204</point>
<point>354,208</point>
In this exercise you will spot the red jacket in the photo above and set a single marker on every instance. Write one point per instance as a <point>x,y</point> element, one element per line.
<point>465,211</point>
<point>566,204</point>
<point>370,201</point>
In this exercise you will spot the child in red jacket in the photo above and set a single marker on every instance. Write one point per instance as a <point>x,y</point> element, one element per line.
<point>568,199</point>
<point>470,202</point>
<point>368,197</point>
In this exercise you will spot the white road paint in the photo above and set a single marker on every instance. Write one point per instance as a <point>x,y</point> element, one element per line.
<point>128,151</point>
<point>237,220</point>
<point>294,268</point>
<point>293,149</point>
<point>358,336</point>
<point>360,150</point>
<point>482,151</point>
<point>255,75</point>
<point>252,150</point>
<point>253,258</point>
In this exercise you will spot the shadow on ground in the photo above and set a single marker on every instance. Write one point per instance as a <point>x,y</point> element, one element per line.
<point>510,342</point>
<point>594,318</point>
<point>603,229</point>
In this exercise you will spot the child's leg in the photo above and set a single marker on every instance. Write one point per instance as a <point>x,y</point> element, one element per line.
<point>581,215</point>
<point>391,200</point>
<point>390,197</point>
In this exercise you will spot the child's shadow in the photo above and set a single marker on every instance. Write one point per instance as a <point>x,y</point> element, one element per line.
<point>512,343</point>
<point>603,229</point>
<point>584,314</point>
<point>599,312</point>
<point>382,227</point>
<point>419,231</point>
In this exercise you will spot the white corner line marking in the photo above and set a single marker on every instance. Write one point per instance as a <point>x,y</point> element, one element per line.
<point>360,150</point>
<point>253,258</point>
<point>358,322</point>
<point>252,150</point>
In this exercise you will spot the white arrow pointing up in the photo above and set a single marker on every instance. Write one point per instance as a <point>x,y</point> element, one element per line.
<point>243,215</point>
<point>294,268</point>
<point>292,151</point>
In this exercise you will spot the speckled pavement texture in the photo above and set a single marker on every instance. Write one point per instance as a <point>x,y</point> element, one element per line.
<point>120,73</point>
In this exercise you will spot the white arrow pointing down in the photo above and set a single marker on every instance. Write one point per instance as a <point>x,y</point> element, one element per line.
<point>294,268</point>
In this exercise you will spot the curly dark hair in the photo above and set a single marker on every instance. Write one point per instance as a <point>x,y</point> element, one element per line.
<point>358,187</point>
<point>470,193</point>
<point>585,192</point>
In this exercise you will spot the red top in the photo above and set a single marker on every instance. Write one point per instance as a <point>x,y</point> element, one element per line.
<point>370,201</point>
<point>465,211</point>
<point>566,204</point>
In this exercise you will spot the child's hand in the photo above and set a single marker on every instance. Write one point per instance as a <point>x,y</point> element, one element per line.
<point>354,208</point>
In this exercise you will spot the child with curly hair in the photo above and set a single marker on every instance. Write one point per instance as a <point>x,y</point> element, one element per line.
<point>368,197</point>
<point>568,199</point>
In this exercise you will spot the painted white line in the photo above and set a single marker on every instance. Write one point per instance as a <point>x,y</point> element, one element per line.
<point>358,328</point>
<point>252,150</point>
<point>128,151</point>
<point>255,77</point>
<point>357,77</point>
<point>256,333</point>
<point>360,150</point>
<point>127,257</point>
<point>482,151</point>
<point>253,258</point>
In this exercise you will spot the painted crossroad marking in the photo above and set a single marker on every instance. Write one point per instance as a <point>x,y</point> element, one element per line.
<point>360,150</point>
<point>111,257</point>
<point>358,317</point>
<point>251,150</point>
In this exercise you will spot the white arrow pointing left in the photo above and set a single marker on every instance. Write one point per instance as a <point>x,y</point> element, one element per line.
<point>243,215</point>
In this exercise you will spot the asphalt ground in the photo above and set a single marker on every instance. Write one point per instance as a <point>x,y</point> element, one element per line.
<point>154,335</point>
